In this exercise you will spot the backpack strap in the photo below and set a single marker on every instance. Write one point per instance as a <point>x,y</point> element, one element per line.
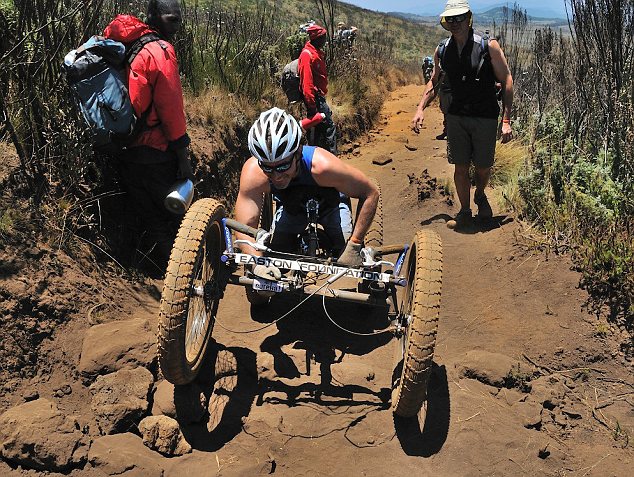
<point>135,48</point>
<point>442,49</point>
<point>484,54</point>
<point>131,53</point>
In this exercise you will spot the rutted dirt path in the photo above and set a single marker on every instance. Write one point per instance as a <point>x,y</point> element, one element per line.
<point>525,383</point>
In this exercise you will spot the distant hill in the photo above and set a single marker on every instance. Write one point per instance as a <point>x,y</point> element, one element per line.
<point>496,14</point>
<point>536,8</point>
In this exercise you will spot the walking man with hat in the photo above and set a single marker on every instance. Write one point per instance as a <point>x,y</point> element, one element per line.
<point>313,79</point>
<point>472,63</point>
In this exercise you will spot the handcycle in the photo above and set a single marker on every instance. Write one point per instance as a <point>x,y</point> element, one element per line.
<point>205,260</point>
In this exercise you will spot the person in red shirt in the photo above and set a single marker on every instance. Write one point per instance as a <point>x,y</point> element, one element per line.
<point>313,79</point>
<point>159,155</point>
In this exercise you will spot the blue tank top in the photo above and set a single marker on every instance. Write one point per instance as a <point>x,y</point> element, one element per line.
<point>303,187</point>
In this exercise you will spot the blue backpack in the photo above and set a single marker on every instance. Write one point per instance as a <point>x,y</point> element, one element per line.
<point>97,75</point>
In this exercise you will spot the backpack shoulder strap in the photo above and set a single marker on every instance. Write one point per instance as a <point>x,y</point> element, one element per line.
<point>131,52</point>
<point>442,49</point>
<point>484,53</point>
<point>136,47</point>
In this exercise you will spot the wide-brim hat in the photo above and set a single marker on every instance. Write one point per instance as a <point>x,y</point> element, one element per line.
<point>453,8</point>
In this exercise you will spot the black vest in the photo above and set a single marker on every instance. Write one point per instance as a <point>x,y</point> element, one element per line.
<point>471,80</point>
<point>303,187</point>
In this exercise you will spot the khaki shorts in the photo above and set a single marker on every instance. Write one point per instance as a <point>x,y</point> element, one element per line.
<point>471,140</point>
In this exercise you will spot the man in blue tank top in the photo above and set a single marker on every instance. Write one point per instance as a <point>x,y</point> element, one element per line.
<point>471,64</point>
<point>293,172</point>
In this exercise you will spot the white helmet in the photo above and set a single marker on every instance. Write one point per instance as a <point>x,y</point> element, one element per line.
<point>274,136</point>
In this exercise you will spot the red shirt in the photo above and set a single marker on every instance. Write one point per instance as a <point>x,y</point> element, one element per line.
<point>153,79</point>
<point>313,78</point>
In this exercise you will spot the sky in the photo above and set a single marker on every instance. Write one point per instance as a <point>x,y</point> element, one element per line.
<point>435,7</point>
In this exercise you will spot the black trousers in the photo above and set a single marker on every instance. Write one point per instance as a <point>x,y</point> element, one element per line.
<point>147,184</point>
<point>325,133</point>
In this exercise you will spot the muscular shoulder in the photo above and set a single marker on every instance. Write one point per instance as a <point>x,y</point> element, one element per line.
<point>495,50</point>
<point>327,169</point>
<point>252,178</point>
<point>323,161</point>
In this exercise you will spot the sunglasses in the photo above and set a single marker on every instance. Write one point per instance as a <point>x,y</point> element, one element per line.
<point>456,18</point>
<point>267,169</point>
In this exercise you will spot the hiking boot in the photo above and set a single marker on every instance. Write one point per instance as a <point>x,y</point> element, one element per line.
<point>461,220</point>
<point>442,136</point>
<point>484,209</point>
<point>463,217</point>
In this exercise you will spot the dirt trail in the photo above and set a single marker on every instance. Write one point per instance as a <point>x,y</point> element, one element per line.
<point>303,398</point>
<point>331,416</point>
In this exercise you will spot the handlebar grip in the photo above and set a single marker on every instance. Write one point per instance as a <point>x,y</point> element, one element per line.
<point>245,229</point>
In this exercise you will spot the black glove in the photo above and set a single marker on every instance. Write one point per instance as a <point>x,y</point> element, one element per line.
<point>351,255</point>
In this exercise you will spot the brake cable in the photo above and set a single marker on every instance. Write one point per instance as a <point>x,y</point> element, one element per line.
<point>275,321</point>
<point>328,282</point>
<point>374,333</point>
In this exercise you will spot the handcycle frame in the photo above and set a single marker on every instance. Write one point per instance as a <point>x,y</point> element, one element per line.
<point>379,295</point>
<point>205,260</point>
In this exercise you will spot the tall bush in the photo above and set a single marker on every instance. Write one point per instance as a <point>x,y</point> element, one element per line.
<point>578,98</point>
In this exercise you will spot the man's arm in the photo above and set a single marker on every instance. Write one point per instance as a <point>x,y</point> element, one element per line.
<point>330,171</point>
<point>503,75</point>
<point>428,95</point>
<point>253,184</point>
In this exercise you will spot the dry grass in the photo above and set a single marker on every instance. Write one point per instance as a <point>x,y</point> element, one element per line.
<point>510,158</point>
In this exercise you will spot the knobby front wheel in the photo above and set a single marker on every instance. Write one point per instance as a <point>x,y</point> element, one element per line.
<point>419,311</point>
<point>191,292</point>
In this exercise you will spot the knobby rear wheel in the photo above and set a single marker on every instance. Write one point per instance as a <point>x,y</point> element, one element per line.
<point>191,292</point>
<point>420,310</point>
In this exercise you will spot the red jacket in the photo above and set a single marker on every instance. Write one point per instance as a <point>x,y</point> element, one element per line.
<point>153,79</point>
<point>313,78</point>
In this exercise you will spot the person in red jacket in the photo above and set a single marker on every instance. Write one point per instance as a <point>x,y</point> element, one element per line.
<point>313,80</point>
<point>159,155</point>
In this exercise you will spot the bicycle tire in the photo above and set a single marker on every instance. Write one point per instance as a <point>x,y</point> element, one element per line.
<point>422,304</point>
<point>194,261</point>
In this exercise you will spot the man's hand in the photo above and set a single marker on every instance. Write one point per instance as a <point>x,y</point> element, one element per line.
<point>267,272</point>
<point>417,122</point>
<point>507,133</point>
<point>185,165</point>
<point>351,255</point>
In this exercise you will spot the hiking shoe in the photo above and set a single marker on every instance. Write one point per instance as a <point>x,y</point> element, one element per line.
<point>463,219</point>
<point>442,136</point>
<point>484,209</point>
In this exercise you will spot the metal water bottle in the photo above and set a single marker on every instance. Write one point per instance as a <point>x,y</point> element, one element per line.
<point>180,197</point>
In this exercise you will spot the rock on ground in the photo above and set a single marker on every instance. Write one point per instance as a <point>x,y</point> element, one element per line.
<point>162,434</point>
<point>119,400</point>
<point>112,346</point>
<point>125,455</point>
<point>38,435</point>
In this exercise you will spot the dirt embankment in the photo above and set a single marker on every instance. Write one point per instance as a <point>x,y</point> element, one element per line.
<point>526,382</point>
